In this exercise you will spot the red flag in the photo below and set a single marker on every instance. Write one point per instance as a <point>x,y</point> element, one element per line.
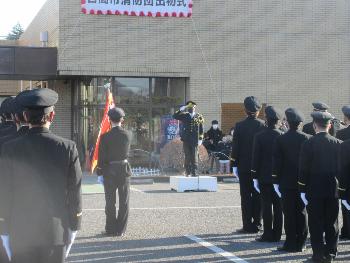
<point>104,127</point>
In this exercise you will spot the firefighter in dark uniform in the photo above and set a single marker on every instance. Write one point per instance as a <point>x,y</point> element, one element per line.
<point>242,145</point>
<point>344,134</point>
<point>42,185</point>
<point>319,169</point>
<point>192,135</point>
<point>114,166</point>
<point>318,106</point>
<point>8,127</point>
<point>285,178</point>
<point>262,176</point>
<point>16,110</point>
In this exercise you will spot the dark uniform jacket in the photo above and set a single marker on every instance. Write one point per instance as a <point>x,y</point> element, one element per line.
<point>192,127</point>
<point>8,128</point>
<point>309,129</point>
<point>242,142</point>
<point>286,158</point>
<point>215,135</point>
<point>263,154</point>
<point>344,178</point>
<point>319,166</point>
<point>43,189</point>
<point>344,134</point>
<point>21,132</point>
<point>114,147</point>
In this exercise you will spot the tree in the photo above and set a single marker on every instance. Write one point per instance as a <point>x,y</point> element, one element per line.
<point>15,33</point>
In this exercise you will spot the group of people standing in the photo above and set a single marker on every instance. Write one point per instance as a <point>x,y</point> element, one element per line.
<point>40,190</point>
<point>292,173</point>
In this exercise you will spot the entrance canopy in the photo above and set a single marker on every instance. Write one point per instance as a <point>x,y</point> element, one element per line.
<point>28,63</point>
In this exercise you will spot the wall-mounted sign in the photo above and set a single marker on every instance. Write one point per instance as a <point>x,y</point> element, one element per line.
<point>151,8</point>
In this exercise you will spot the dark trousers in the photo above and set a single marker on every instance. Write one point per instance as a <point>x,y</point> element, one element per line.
<point>191,158</point>
<point>272,212</point>
<point>295,219</point>
<point>345,231</point>
<point>250,203</point>
<point>115,225</point>
<point>323,219</point>
<point>54,254</point>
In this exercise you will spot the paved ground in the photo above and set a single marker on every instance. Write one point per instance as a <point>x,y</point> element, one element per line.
<point>166,226</point>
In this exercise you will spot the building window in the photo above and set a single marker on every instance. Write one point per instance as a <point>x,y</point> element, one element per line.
<point>146,101</point>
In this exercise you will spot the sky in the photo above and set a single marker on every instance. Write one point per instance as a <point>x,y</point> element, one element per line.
<point>13,11</point>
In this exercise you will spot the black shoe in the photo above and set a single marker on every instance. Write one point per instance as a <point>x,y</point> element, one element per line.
<point>266,239</point>
<point>247,231</point>
<point>110,233</point>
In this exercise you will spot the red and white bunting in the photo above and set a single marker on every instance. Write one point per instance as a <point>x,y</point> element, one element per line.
<point>150,8</point>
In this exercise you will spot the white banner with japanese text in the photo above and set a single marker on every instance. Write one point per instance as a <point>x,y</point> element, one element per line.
<point>151,8</point>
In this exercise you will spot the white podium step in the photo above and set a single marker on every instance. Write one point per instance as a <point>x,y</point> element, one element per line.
<point>201,183</point>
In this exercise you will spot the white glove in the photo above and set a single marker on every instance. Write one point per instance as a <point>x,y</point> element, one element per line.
<point>200,142</point>
<point>302,196</point>
<point>71,238</point>
<point>235,172</point>
<point>100,179</point>
<point>346,204</point>
<point>182,108</point>
<point>277,190</point>
<point>256,185</point>
<point>6,244</point>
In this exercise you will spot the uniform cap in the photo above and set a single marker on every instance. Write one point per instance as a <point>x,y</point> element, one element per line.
<point>320,106</point>
<point>346,111</point>
<point>252,104</point>
<point>16,105</point>
<point>116,113</point>
<point>214,122</point>
<point>38,99</point>
<point>321,116</point>
<point>293,115</point>
<point>273,113</point>
<point>191,103</point>
<point>6,106</point>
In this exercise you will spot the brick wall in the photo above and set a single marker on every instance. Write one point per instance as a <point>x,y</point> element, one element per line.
<point>47,19</point>
<point>287,53</point>
<point>62,124</point>
<point>9,87</point>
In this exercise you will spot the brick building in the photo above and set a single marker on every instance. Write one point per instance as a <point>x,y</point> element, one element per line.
<point>287,53</point>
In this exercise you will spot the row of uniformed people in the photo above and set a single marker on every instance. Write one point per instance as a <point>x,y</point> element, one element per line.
<point>292,172</point>
<point>40,190</point>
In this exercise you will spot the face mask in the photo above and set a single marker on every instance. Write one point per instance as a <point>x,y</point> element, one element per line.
<point>215,126</point>
<point>190,110</point>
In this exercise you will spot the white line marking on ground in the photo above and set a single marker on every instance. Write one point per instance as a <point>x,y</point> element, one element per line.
<point>136,190</point>
<point>216,249</point>
<point>171,208</point>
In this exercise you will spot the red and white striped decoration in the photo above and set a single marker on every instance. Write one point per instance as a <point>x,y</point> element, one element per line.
<point>182,8</point>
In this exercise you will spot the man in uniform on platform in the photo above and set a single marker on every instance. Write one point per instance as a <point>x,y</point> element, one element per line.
<point>113,165</point>
<point>319,169</point>
<point>285,178</point>
<point>242,145</point>
<point>262,175</point>
<point>42,183</point>
<point>344,134</point>
<point>192,135</point>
